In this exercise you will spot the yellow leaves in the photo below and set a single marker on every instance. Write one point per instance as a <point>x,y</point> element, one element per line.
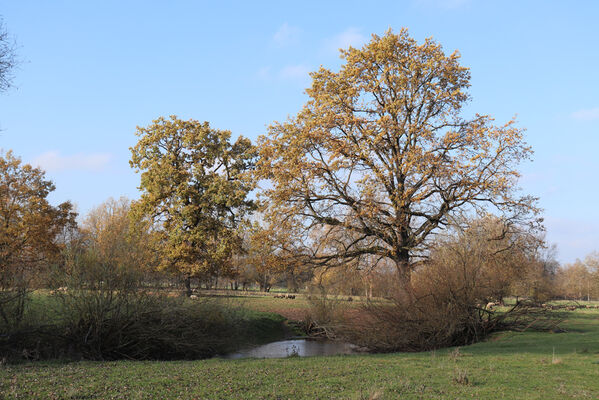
<point>382,140</point>
<point>195,183</point>
<point>29,225</point>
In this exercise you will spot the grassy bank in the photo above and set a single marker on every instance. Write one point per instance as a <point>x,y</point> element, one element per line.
<point>96,325</point>
<point>510,365</point>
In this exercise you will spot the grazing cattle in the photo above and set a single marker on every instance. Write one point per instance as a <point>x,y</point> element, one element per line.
<point>284,296</point>
<point>491,304</point>
<point>60,289</point>
<point>193,296</point>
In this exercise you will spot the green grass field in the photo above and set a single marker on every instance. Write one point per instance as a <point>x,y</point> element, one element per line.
<point>530,365</point>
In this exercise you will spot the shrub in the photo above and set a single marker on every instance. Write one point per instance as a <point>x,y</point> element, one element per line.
<point>325,316</point>
<point>446,303</point>
<point>98,312</point>
<point>141,327</point>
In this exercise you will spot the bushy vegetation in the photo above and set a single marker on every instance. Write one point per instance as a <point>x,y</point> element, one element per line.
<point>454,293</point>
<point>97,304</point>
<point>137,327</point>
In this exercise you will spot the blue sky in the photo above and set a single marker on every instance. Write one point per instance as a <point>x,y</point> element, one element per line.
<point>93,71</point>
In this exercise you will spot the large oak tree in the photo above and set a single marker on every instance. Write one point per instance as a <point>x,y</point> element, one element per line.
<point>383,153</point>
<point>194,184</point>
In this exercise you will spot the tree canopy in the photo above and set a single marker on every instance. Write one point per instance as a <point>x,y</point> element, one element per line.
<point>194,184</point>
<point>30,228</point>
<point>118,241</point>
<point>382,153</point>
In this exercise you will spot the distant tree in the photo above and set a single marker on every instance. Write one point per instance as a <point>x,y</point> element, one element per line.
<point>290,250</point>
<point>117,242</point>
<point>263,258</point>
<point>30,229</point>
<point>580,279</point>
<point>592,263</point>
<point>268,257</point>
<point>381,152</point>
<point>195,185</point>
<point>7,58</point>
<point>497,258</point>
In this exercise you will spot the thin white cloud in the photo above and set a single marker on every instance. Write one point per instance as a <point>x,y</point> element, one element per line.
<point>264,73</point>
<point>287,35</point>
<point>350,37</point>
<point>55,162</point>
<point>589,114</point>
<point>299,71</point>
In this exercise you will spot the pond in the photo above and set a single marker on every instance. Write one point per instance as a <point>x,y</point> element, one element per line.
<point>297,347</point>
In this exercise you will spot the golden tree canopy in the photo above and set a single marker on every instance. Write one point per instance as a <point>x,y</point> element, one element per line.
<point>194,184</point>
<point>30,227</point>
<point>382,151</point>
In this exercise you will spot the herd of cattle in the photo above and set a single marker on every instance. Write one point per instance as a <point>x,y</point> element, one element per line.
<point>284,296</point>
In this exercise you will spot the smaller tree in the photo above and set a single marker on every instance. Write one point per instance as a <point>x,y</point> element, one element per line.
<point>30,228</point>
<point>262,257</point>
<point>497,257</point>
<point>120,245</point>
<point>592,263</point>
<point>194,184</point>
<point>575,281</point>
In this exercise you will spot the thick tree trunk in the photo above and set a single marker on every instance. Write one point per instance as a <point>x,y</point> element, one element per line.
<point>188,285</point>
<point>262,284</point>
<point>404,275</point>
<point>291,285</point>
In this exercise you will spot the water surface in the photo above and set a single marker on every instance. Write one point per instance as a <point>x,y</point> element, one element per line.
<point>296,347</point>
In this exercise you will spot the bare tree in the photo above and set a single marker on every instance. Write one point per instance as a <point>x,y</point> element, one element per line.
<point>8,59</point>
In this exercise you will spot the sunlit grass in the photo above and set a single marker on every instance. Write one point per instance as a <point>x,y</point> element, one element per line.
<point>509,365</point>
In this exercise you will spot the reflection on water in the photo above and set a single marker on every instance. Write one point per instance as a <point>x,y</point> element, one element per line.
<point>299,347</point>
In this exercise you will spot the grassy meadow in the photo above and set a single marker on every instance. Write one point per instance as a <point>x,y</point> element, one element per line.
<point>510,365</point>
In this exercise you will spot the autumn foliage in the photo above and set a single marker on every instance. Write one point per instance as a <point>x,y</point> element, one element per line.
<point>194,184</point>
<point>383,153</point>
<point>30,233</point>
